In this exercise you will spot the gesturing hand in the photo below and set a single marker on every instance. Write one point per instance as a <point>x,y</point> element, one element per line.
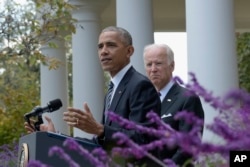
<point>83,119</point>
<point>43,127</point>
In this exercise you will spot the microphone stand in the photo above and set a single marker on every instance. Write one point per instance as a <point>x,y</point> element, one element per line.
<point>38,111</point>
<point>37,123</point>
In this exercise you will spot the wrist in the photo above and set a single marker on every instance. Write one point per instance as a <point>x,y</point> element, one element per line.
<point>100,130</point>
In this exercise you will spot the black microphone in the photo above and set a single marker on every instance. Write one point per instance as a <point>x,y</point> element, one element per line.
<point>51,106</point>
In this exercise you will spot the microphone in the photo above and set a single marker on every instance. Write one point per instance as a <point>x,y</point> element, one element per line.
<point>51,106</point>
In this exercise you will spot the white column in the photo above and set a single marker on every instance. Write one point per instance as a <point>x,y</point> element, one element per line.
<point>88,78</point>
<point>54,84</point>
<point>211,48</point>
<point>136,16</point>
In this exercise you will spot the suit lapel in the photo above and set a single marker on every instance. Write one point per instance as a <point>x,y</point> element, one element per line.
<point>170,98</point>
<point>120,90</point>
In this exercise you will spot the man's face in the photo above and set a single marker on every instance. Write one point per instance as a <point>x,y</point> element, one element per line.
<point>157,67</point>
<point>113,53</point>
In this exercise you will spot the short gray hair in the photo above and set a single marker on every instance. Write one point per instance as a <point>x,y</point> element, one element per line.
<point>169,51</point>
<point>125,35</point>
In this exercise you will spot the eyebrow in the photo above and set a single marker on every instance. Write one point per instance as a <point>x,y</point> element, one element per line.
<point>107,43</point>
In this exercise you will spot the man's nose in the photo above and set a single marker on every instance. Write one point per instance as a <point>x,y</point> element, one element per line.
<point>153,67</point>
<point>103,50</point>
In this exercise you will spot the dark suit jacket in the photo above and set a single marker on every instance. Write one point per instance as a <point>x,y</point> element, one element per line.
<point>175,101</point>
<point>135,96</point>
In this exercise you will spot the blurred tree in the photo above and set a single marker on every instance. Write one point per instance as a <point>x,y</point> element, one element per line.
<point>23,30</point>
<point>243,52</point>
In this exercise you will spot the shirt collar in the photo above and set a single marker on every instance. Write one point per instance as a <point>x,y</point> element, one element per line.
<point>118,77</point>
<point>166,89</point>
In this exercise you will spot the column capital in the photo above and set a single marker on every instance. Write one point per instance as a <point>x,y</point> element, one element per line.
<point>88,10</point>
<point>97,5</point>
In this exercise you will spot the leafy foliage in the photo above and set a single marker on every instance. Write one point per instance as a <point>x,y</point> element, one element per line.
<point>24,29</point>
<point>19,87</point>
<point>243,51</point>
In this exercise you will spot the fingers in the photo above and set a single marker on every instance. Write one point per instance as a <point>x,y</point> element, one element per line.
<point>73,111</point>
<point>48,119</point>
<point>43,127</point>
<point>49,127</point>
<point>82,119</point>
<point>86,108</point>
<point>76,117</point>
<point>73,123</point>
<point>50,123</point>
<point>71,118</point>
<point>29,127</point>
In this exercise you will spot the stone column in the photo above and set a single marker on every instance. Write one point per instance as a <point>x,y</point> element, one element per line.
<point>211,48</point>
<point>136,16</point>
<point>54,84</point>
<point>88,78</point>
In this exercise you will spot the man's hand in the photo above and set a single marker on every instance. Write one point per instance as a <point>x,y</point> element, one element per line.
<point>83,119</point>
<point>43,127</point>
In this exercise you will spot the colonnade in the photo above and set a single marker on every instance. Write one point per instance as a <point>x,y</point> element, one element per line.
<point>210,42</point>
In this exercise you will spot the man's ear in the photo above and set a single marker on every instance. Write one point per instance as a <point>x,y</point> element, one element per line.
<point>130,50</point>
<point>172,65</point>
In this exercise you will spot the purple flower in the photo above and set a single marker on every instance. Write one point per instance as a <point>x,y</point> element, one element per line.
<point>142,129</point>
<point>60,152</point>
<point>132,149</point>
<point>122,139</point>
<point>231,125</point>
<point>36,163</point>
<point>8,154</point>
<point>169,163</point>
<point>103,156</point>
<point>73,145</point>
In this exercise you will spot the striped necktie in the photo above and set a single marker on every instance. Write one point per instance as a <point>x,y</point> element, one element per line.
<point>108,98</point>
<point>109,95</point>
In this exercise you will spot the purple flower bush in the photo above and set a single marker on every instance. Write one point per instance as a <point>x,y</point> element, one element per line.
<point>231,124</point>
<point>8,155</point>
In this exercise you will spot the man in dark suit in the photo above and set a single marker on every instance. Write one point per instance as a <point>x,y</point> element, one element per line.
<point>159,64</point>
<point>133,94</point>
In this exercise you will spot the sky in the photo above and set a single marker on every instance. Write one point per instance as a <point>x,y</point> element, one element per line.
<point>178,42</point>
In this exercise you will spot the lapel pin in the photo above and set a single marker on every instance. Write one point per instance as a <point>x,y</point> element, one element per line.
<point>169,100</point>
